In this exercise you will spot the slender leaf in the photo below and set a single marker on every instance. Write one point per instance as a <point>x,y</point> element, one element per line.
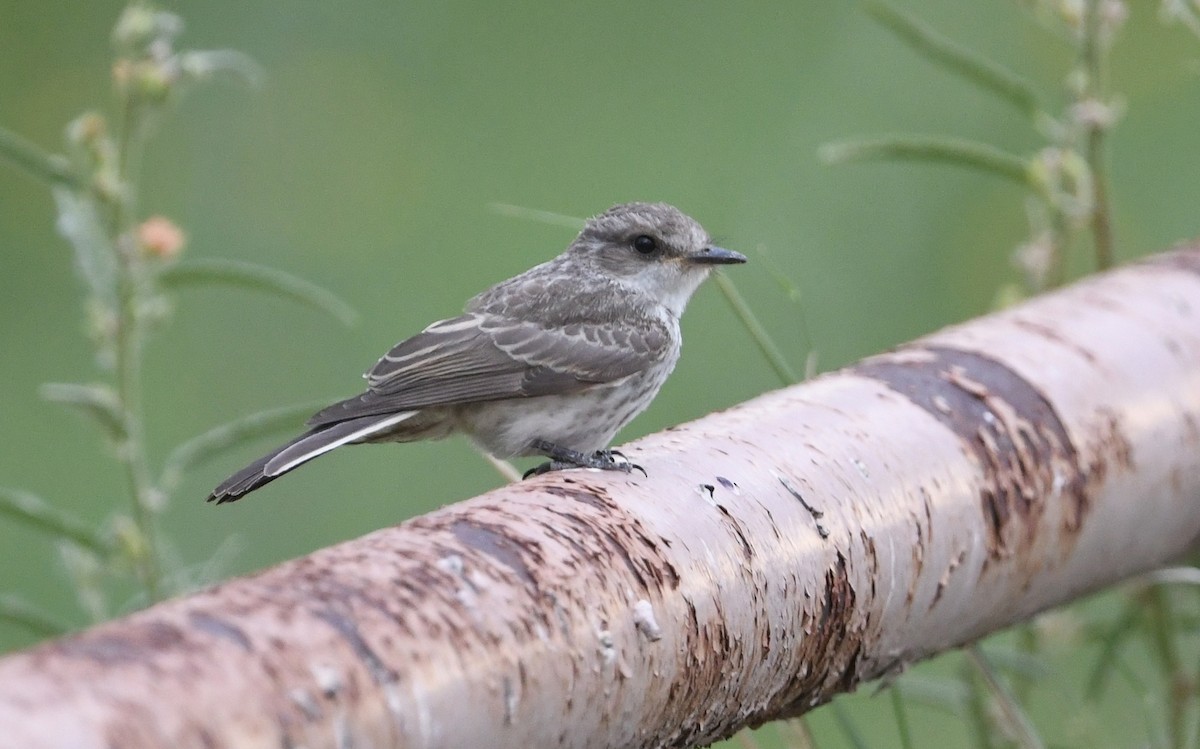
<point>900,711</point>
<point>942,694</point>
<point>33,618</point>
<point>1018,663</point>
<point>259,277</point>
<point>205,63</point>
<point>80,223</point>
<point>96,401</point>
<point>795,296</point>
<point>34,511</point>
<point>1179,11</point>
<point>963,153</point>
<point>797,734</point>
<point>1173,576</point>
<point>1110,646</point>
<point>215,441</point>
<point>1016,722</point>
<point>36,162</point>
<point>758,333</point>
<point>533,214</point>
<point>846,723</point>
<point>746,739</point>
<point>955,58</point>
<point>978,717</point>
<point>507,470</point>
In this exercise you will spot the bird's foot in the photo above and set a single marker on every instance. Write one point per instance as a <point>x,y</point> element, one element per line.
<point>562,458</point>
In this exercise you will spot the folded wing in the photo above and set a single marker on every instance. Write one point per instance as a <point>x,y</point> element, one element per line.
<point>480,357</point>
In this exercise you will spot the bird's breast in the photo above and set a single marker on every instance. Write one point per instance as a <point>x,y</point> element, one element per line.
<point>585,421</point>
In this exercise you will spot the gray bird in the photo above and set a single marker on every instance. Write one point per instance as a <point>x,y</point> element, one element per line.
<point>552,362</point>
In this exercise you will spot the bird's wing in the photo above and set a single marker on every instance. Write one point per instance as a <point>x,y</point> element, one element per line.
<point>480,356</point>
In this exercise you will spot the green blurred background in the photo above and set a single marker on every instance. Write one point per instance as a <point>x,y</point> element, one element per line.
<point>382,132</point>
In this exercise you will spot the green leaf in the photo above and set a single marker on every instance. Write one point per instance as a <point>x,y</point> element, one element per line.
<point>52,169</point>
<point>96,401</point>
<point>1110,647</point>
<point>758,333</point>
<point>941,694</point>
<point>964,153</point>
<point>33,618</point>
<point>1011,715</point>
<point>1016,663</point>
<point>900,712</point>
<point>794,296</point>
<point>80,223</point>
<point>215,441</point>
<point>849,728</point>
<point>955,58</point>
<point>206,63</point>
<point>533,214</point>
<point>34,511</point>
<point>258,277</point>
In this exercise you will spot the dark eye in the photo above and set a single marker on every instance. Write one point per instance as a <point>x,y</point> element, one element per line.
<point>645,244</point>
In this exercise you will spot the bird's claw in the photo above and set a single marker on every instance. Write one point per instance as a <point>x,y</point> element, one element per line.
<point>562,459</point>
<point>615,460</point>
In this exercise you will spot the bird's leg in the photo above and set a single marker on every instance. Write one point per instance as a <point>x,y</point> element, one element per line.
<point>564,457</point>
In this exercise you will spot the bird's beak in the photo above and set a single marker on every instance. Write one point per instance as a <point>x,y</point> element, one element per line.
<point>716,256</point>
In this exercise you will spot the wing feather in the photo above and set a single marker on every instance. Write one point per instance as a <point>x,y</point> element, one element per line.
<point>480,356</point>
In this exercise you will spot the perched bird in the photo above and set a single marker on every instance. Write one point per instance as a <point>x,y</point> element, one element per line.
<point>551,362</point>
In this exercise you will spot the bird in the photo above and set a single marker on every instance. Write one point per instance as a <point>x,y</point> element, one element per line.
<point>552,362</point>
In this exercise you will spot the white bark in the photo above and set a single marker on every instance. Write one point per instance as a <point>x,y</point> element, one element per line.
<point>777,554</point>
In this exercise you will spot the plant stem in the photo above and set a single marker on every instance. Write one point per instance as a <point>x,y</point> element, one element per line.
<point>1016,721</point>
<point>901,713</point>
<point>758,333</point>
<point>933,149</point>
<point>129,333</point>
<point>955,58</point>
<point>1091,53</point>
<point>1175,679</point>
<point>22,153</point>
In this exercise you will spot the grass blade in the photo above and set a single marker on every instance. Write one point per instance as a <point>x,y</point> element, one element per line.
<point>225,437</point>
<point>81,224</point>
<point>842,716</point>
<point>900,712</point>
<point>17,610</point>
<point>1110,647</point>
<point>957,59</point>
<point>96,401</point>
<point>36,162</point>
<point>533,214</point>
<point>258,277</point>
<point>947,696</point>
<point>1017,723</point>
<point>794,296</point>
<point>757,332</point>
<point>963,153</point>
<point>34,511</point>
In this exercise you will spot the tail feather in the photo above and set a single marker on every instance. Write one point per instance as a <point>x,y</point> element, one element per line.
<point>299,451</point>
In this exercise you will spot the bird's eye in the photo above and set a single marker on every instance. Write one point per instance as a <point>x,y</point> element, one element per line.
<point>645,244</point>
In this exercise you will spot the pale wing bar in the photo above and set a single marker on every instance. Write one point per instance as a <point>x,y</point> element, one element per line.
<point>478,357</point>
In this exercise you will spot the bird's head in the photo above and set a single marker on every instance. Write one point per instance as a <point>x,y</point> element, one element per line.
<point>653,248</point>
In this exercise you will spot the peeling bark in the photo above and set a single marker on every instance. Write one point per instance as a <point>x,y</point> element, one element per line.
<point>777,554</point>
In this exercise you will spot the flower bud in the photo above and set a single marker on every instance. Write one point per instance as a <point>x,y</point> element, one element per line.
<point>159,237</point>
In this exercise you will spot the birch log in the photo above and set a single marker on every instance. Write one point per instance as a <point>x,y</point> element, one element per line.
<point>777,554</point>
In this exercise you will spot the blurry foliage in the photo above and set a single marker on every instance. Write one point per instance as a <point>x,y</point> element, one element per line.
<point>1068,179</point>
<point>128,265</point>
<point>131,265</point>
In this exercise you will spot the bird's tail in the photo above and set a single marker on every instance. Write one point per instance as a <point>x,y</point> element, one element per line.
<point>299,451</point>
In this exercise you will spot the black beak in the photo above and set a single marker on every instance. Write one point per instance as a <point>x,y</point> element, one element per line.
<point>716,256</point>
